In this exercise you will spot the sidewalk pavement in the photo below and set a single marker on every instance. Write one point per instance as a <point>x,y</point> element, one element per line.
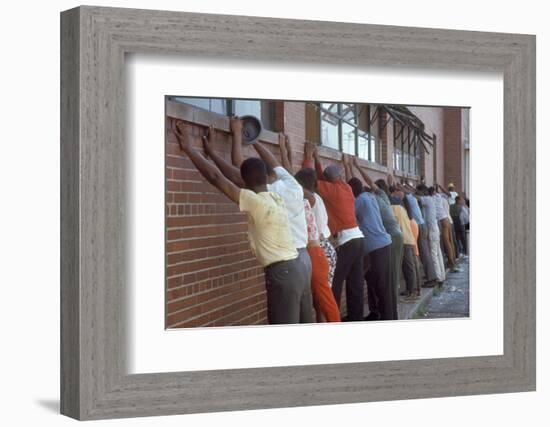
<point>452,300</point>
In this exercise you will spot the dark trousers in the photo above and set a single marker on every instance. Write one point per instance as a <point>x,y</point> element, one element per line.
<point>396,261</point>
<point>409,267</point>
<point>455,241</point>
<point>418,274</point>
<point>349,268</point>
<point>460,232</point>
<point>288,291</point>
<point>379,286</point>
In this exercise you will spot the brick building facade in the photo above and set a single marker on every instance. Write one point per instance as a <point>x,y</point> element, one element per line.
<point>212,278</point>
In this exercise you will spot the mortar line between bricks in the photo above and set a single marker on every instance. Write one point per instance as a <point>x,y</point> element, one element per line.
<point>210,278</point>
<point>218,309</point>
<point>211,289</point>
<point>205,258</point>
<point>218,298</point>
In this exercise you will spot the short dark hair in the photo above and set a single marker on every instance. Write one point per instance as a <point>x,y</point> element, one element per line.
<point>254,172</point>
<point>431,191</point>
<point>380,183</point>
<point>307,178</point>
<point>422,188</point>
<point>457,198</point>
<point>356,186</point>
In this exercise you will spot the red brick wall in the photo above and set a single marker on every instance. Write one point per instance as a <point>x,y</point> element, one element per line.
<point>294,127</point>
<point>433,119</point>
<point>212,278</point>
<point>454,160</point>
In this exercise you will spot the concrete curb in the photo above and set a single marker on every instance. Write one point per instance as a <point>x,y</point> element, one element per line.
<point>408,310</point>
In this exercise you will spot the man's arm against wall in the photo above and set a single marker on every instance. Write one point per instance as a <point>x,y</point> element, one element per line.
<point>208,170</point>
<point>231,172</point>
<point>318,164</point>
<point>267,156</point>
<point>348,170</point>
<point>447,193</point>
<point>365,176</point>
<point>236,126</point>
<point>285,153</point>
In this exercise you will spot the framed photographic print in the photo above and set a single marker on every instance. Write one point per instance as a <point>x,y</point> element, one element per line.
<point>262,213</point>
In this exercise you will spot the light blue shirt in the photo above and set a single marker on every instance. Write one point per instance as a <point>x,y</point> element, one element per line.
<point>370,223</point>
<point>428,203</point>
<point>415,209</point>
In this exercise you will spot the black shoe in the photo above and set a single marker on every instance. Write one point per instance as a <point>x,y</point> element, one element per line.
<point>403,293</point>
<point>429,284</point>
<point>373,315</point>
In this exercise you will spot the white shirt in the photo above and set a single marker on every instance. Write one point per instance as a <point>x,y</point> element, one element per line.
<point>321,216</point>
<point>428,204</point>
<point>447,208</point>
<point>292,194</point>
<point>440,211</point>
<point>346,235</point>
<point>452,197</point>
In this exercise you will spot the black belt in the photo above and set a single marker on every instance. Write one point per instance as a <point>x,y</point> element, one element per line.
<point>278,262</point>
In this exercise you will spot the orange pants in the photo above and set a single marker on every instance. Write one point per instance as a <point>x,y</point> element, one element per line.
<point>323,298</point>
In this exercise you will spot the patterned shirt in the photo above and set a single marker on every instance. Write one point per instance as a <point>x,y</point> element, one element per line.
<point>312,230</point>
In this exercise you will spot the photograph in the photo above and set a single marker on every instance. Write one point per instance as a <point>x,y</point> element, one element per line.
<point>291,212</point>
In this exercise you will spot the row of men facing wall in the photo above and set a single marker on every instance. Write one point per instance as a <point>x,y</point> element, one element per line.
<point>322,228</point>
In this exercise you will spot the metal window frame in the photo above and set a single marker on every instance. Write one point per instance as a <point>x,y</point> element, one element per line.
<point>265,106</point>
<point>340,119</point>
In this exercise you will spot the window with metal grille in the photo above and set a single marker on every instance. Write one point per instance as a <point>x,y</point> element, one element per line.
<point>350,128</point>
<point>406,150</point>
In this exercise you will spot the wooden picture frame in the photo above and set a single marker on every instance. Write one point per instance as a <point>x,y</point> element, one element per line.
<point>94,382</point>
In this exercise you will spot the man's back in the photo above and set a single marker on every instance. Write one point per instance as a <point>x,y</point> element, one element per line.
<point>388,218</point>
<point>269,228</point>
<point>428,203</point>
<point>292,194</point>
<point>370,222</point>
<point>340,205</point>
<point>415,209</point>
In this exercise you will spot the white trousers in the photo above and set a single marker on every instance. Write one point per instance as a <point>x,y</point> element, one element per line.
<point>435,250</point>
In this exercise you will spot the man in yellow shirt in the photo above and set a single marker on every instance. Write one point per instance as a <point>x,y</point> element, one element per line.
<point>287,280</point>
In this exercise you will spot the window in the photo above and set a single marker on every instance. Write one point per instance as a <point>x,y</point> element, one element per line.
<point>228,107</point>
<point>406,149</point>
<point>350,128</point>
<point>330,125</point>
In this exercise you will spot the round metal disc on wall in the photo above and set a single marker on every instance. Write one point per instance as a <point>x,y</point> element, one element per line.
<point>252,129</point>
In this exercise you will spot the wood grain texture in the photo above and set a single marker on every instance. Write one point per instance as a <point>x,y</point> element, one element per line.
<point>95,237</point>
<point>70,291</point>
